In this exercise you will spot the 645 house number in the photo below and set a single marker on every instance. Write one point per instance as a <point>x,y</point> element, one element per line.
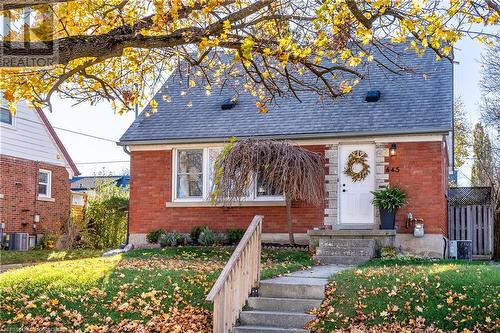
<point>391,169</point>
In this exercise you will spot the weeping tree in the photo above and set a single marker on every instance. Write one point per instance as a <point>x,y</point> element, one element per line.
<point>295,172</point>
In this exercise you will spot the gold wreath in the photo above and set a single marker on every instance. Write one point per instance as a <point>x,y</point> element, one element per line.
<point>357,157</point>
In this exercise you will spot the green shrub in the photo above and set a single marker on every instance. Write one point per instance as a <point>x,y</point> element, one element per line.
<point>47,242</point>
<point>154,236</point>
<point>106,217</point>
<point>235,235</point>
<point>207,237</point>
<point>196,231</point>
<point>388,253</point>
<point>389,198</point>
<point>172,239</point>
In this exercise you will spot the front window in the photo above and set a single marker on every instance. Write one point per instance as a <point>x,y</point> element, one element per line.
<point>190,173</point>
<point>44,183</point>
<point>265,190</point>
<point>194,172</point>
<point>6,116</point>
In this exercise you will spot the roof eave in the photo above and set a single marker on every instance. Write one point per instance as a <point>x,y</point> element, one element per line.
<point>443,131</point>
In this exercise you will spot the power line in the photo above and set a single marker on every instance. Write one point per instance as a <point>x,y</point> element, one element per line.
<point>83,134</point>
<point>70,131</point>
<point>102,162</point>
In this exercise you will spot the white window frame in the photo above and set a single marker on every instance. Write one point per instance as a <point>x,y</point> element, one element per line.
<point>49,183</point>
<point>206,180</point>
<point>13,125</point>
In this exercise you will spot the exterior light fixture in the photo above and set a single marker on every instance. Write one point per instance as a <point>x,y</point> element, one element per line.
<point>36,218</point>
<point>392,150</point>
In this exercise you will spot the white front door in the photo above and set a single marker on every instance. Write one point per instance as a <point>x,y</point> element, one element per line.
<point>355,199</point>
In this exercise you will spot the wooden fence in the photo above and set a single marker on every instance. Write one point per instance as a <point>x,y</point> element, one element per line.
<point>472,222</point>
<point>241,273</point>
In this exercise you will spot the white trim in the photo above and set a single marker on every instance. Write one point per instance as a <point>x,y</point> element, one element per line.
<point>302,142</point>
<point>42,198</point>
<point>242,203</point>
<point>48,184</point>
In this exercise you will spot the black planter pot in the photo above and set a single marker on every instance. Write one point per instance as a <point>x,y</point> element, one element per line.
<point>387,219</point>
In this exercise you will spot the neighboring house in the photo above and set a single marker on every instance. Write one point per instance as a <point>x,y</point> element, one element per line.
<point>88,185</point>
<point>172,152</point>
<point>84,188</point>
<point>35,171</point>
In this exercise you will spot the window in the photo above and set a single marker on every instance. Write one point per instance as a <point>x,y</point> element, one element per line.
<point>6,116</point>
<point>77,199</point>
<point>190,173</point>
<point>44,183</point>
<point>264,190</point>
<point>193,174</point>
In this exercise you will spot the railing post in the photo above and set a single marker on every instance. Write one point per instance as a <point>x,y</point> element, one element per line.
<point>241,273</point>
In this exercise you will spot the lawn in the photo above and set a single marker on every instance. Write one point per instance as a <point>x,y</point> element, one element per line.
<point>399,295</point>
<point>144,290</point>
<point>32,256</point>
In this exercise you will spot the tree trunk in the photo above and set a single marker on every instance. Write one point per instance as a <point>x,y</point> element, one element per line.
<point>289,220</point>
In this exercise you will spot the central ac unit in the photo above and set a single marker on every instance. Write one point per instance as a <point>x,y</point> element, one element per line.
<point>19,241</point>
<point>461,249</point>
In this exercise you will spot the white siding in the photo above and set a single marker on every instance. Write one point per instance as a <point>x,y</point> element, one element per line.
<point>30,139</point>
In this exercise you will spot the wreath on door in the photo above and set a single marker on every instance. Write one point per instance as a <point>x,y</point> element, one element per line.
<point>357,157</point>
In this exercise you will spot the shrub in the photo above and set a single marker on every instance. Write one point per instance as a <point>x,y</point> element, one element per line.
<point>196,231</point>
<point>235,235</point>
<point>172,239</point>
<point>154,236</point>
<point>388,253</point>
<point>106,217</point>
<point>207,237</point>
<point>47,242</point>
<point>389,198</point>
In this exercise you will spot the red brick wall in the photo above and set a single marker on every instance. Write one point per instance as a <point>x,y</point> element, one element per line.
<point>151,186</point>
<point>423,175</point>
<point>19,187</point>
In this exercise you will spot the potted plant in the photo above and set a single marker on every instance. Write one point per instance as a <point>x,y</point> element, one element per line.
<point>388,199</point>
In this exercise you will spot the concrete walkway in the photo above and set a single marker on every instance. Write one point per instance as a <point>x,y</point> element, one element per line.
<point>8,267</point>
<point>284,301</point>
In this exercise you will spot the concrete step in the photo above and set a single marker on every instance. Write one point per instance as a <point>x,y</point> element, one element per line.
<point>282,304</point>
<point>275,319</point>
<point>345,251</point>
<point>266,329</point>
<point>293,287</point>
<point>346,242</point>
<point>342,260</point>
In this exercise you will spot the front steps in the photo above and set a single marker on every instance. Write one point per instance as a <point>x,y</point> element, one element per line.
<point>283,302</point>
<point>349,251</point>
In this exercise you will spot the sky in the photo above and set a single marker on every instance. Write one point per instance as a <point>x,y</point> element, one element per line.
<point>94,156</point>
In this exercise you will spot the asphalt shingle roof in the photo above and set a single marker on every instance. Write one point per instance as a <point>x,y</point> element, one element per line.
<point>418,101</point>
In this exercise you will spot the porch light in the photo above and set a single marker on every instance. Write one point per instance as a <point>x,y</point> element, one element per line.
<point>36,218</point>
<point>392,151</point>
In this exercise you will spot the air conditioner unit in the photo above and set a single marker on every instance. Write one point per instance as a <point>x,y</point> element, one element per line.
<point>461,249</point>
<point>19,241</point>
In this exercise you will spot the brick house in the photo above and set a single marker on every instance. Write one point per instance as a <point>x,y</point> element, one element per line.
<point>406,134</point>
<point>35,171</point>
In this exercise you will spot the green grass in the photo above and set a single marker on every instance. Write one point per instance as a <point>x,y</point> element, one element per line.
<point>448,294</point>
<point>136,288</point>
<point>32,256</point>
